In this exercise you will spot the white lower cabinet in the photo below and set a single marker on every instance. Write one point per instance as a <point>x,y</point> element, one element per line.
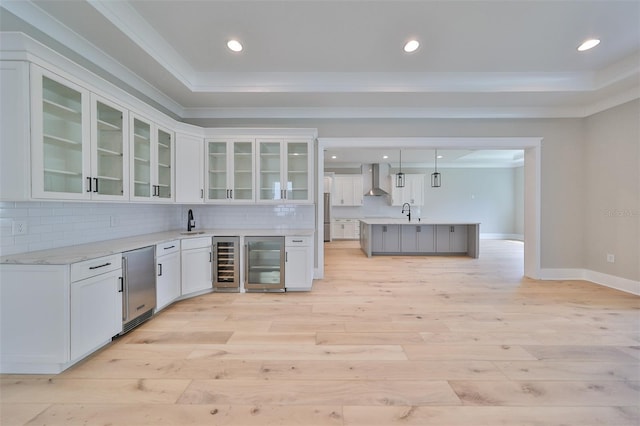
<point>345,229</point>
<point>168,286</point>
<point>298,268</point>
<point>51,316</point>
<point>96,312</point>
<point>196,265</point>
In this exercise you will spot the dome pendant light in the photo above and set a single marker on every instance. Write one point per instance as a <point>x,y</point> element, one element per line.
<point>400,175</point>
<point>435,176</point>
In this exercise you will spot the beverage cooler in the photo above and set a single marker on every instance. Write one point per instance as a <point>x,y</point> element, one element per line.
<point>264,265</point>
<point>226,264</point>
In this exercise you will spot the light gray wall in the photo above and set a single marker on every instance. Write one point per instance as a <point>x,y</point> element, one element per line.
<point>485,195</point>
<point>562,224</point>
<point>612,202</point>
<point>518,199</point>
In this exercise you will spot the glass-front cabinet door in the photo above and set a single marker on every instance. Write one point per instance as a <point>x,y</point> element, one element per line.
<point>109,152</point>
<point>60,137</point>
<point>141,186</point>
<point>230,175</point>
<point>152,151</point>
<point>164,160</point>
<point>243,175</point>
<point>298,171</point>
<point>217,186</point>
<point>270,186</point>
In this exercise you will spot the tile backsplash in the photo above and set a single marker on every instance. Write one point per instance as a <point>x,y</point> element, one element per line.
<point>58,224</point>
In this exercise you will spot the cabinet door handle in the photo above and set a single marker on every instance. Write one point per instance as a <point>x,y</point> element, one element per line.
<point>121,284</point>
<point>202,193</point>
<point>451,229</point>
<point>210,257</point>
<point>159,269</point>
<point>296,241</point>
<point>170,247</point>
<point>95,180</point>
<point>384,229</point>
<point>89,189</point>
<point>286,256</point>
<point>231,192</point>
<point>100,266</point>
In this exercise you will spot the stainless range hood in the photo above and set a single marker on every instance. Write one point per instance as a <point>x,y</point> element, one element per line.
<point>376,190</point>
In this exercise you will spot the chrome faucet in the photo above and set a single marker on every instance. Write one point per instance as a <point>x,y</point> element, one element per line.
<point>408,210</point>
<point>191,223</point>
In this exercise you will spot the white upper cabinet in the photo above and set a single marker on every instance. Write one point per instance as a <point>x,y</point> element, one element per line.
<point>60,139</point>
<point>348,190</point>
<point>189,169</point>
<point>79,142</point>
<point>284,171</point>
<point>230,166</point>
<point>152,153</point>
<point>412,192</point>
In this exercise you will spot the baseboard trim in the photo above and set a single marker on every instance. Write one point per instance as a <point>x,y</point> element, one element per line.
<point>500,236</point>
<point>607,280</point>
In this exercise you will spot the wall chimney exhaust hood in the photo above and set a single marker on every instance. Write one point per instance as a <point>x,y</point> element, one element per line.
<point>375,182</point>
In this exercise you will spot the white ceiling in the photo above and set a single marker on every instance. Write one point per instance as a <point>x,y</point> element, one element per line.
<point>338,58</point>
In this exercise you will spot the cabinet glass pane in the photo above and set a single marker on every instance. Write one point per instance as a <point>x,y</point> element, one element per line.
<point>297,171</point>
<point>110,143</point>
<point>217,173</point>
<point>270,186</point>
<point>141,158</point>
<point>62,137</point>
<point>164,164</point>
<point>243,171</point>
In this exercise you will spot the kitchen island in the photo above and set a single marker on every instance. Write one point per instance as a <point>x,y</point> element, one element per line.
<point>390,236</point>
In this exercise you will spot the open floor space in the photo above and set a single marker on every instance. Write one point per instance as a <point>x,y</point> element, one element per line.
<point>380,341</point>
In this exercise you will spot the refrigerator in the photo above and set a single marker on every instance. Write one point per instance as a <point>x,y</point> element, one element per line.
<point>264,263</point>
<point>327,216</point>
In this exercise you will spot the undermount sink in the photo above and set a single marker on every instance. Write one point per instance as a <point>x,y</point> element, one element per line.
<point>191,232</point>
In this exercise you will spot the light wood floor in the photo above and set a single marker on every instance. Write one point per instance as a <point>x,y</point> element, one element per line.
<point>381,341</point>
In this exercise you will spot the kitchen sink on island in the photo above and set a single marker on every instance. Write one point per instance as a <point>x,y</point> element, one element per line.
<point>391,236</point>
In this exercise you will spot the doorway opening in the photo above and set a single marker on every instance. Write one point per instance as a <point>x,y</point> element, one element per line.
<point>530,179</point>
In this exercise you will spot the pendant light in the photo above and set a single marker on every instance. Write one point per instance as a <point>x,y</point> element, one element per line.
<point>400,175</point>
<point>435,176</point>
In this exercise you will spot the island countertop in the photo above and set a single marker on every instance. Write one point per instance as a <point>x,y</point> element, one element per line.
<point>417,221</point>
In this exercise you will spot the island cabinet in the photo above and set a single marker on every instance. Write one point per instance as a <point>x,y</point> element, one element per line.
<point>451,238</point>
<point>417,238</point>
<point>385,239</point>
<point>380,236</point>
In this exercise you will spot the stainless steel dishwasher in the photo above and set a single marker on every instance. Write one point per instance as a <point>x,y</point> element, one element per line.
<point>139,286</point>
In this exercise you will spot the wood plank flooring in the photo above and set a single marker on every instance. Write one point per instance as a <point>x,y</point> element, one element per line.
<point>380,341</point>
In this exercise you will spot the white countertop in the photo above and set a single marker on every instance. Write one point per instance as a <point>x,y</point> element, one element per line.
<point>397,221</point>
<point>78,253</point>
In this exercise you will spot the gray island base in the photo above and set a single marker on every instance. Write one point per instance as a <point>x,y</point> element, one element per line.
<point>380,236</point>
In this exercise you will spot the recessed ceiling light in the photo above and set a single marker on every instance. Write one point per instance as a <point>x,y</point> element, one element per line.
<point>333,157</point>
<point>588,44</point>
<point>439,156</point>
<point>385,156</point>
<point>234,45</point>
<point>411,46</point>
